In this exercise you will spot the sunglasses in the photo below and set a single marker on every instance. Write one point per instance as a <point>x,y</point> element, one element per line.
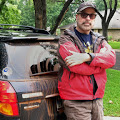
<point>84,15</point>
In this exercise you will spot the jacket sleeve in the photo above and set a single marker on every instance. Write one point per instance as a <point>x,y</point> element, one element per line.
<point>84,68</point>
<point>105,59</point>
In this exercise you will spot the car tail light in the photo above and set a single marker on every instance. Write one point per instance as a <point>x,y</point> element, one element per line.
<point>8,99</point>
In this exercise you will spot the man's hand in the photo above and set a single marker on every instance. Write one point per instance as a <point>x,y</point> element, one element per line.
<point>102,50</point>
<point>77,58</point>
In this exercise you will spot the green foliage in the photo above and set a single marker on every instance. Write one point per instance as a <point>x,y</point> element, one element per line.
<point>118,40</point>
<point>109,37</point>
<point>18,12</point>
<point>27,13</point>
<point>53,10</point>
<point>112,93</point>
<point>100,4</point>
<point>10,14</point>
<point>70,15</point>
<point>22,12</point>
<point>119,4</point>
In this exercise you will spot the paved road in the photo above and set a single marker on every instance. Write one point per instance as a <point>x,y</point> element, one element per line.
<point>117,65</point>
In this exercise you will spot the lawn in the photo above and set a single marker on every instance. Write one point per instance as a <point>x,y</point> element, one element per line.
<point>112,93</point>
<point>114,45</point>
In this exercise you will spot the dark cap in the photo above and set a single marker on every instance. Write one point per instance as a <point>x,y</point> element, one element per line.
<point>85,5</point>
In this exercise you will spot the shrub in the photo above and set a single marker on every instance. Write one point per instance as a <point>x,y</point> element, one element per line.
<point>109,37</point>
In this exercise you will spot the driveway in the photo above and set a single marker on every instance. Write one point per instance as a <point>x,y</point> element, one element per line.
<point>117,65</point>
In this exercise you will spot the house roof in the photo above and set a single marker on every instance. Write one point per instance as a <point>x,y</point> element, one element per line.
<point>114,23</point>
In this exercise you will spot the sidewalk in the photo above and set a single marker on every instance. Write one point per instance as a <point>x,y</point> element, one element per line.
<point>111,118</point>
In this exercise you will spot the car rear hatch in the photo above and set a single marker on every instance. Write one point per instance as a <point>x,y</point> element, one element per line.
<point>29,64</point>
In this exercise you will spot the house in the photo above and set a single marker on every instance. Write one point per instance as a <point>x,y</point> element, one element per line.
<point>113,29</point>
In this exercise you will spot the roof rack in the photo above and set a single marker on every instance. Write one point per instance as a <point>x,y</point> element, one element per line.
<point>23,28</point>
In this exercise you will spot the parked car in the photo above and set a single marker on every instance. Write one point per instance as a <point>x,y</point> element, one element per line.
<point>28,74</point>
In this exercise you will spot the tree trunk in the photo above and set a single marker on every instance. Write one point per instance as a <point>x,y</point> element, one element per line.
<point>61,15</point>
<point>40,13</point>
<point>105,30</point>
<point>106,19</point>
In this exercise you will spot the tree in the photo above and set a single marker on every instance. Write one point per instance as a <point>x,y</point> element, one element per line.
<point>9,12</point>
<point>106,18</point>
<point>100,5</point>
<point>40,13</point>
<point>61,15</point>
<point>53,10</point>
<point>108,14</point>
<point>27,12</point>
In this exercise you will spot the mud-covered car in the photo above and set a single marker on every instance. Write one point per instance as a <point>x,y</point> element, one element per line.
<point>28,74</point>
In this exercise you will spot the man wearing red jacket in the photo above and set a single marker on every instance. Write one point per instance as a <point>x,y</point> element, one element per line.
<point>83,56</point>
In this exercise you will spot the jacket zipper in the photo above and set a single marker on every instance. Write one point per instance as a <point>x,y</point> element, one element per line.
<point>93,83</point>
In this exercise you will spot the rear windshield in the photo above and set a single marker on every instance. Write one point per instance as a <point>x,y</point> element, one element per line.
<point>20,59</point>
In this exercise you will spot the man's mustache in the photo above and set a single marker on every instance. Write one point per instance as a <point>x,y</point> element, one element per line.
<point>87,23</point>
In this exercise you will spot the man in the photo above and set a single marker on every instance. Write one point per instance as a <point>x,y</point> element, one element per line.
<point>83,56</point>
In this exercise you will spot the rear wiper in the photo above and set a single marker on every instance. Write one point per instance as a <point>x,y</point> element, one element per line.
<point>5,38</point>
<point>23,28</point>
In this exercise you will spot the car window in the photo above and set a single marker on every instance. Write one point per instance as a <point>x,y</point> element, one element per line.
<point>26,59</point>
<point>26,51</point>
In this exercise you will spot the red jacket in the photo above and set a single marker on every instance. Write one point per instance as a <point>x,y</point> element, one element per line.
<point>75,82</point>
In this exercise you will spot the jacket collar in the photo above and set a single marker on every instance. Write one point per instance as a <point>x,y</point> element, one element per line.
<point>96,37</point>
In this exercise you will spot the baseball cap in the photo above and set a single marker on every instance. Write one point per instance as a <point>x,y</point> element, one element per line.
<point>85,5</point>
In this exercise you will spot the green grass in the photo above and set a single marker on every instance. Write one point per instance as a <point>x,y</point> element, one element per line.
<point>112,92</point>
<point>114,44</point>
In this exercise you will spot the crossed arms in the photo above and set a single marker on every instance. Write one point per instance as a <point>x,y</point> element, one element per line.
<point>76,61</point>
